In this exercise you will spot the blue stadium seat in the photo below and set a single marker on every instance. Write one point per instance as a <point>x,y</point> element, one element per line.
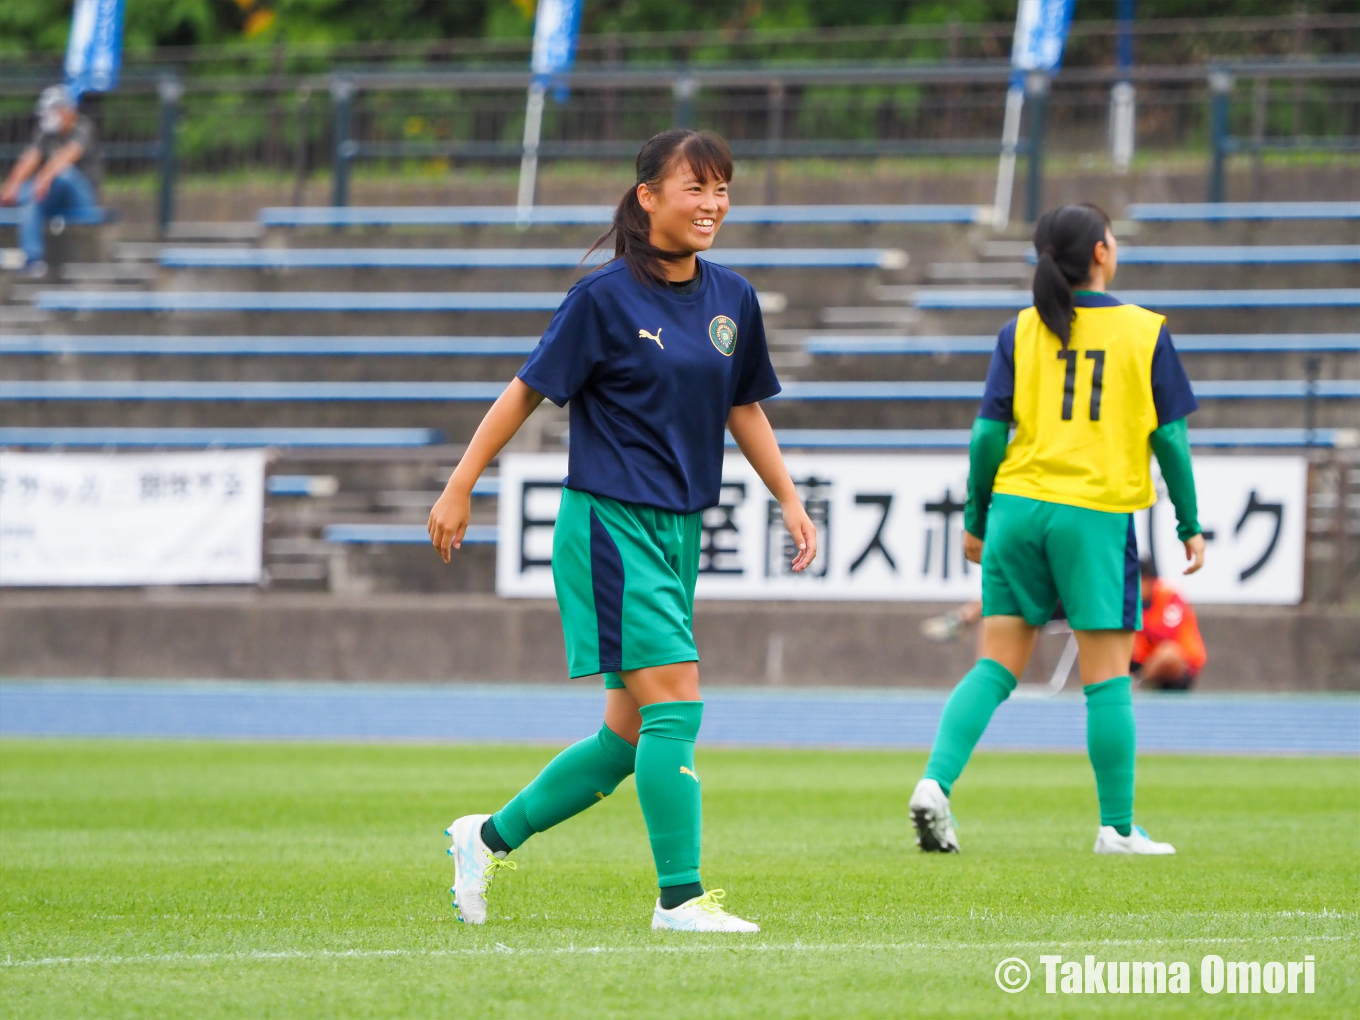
<point>163,390</point>
<point>9,216</point>
<point>953,299</point>
<point>299,485</point>
<point>139,344</point>
<point>957,439</point>
<point>159,389</point>
<point>1174,211</point>
<point>1222,343</point>
<point>268,345</point>
<point>296,301</point>
<point>197,438</point>
<point>400,534</point>
<point>325,485</point>
<point>519,258</point>
<point>602,215</point>
<point>1233,254</point>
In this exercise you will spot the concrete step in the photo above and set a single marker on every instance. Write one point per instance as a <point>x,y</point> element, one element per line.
<point>215,230</point>
<point>104,273</point>
<point>458,419</point>
<point>791,362</point>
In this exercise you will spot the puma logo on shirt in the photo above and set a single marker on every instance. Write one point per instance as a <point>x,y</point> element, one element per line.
<point>687,772</point>
<point>652,336</point>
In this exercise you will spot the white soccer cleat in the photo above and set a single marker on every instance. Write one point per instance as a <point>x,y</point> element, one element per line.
<point>1108,841</point>
<point>943,628</point>
<point>932,818</point>
<point>703,913</point>
<point>474,868</point>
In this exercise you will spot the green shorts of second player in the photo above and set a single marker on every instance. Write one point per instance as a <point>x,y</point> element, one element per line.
<point>625,576</point>
<point>1038,552</point>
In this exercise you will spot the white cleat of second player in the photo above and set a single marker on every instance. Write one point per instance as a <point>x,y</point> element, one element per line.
<point>703,913</point>
<point>930,814</point>
<point>474,868</point>
<point>1108,841</point>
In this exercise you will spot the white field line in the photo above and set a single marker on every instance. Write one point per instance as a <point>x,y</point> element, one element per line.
<point>571,950</point>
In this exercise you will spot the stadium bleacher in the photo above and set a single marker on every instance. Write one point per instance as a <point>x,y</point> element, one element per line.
<point>392,346</point>
<point>208,438</point>
<point>197,390</point>
<point>1217,343</point>
<point>602,215</point>
<point>367,433</point>
<point>1157,300</point>
<point>515,258</point>
<point>10,216</point>
<point>252,346</point>
<point>295,301</point>
<point>1233,254</point>
<point>1223,212</point>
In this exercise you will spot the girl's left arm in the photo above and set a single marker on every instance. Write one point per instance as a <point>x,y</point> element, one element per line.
<point>755,438</point>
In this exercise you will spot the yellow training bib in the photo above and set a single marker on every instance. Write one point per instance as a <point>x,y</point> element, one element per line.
<point>1083,415</point>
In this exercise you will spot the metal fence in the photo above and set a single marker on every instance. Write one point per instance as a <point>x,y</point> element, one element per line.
<point>395,118</point>
<point>1092,43</point>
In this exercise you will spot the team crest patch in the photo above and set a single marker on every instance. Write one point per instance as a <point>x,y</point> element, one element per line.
<point>723,332</point>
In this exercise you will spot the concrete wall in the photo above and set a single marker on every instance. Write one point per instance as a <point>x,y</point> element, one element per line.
<point>255,635</point>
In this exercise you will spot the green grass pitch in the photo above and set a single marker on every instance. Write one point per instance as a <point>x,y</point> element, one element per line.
<point>238,879</point>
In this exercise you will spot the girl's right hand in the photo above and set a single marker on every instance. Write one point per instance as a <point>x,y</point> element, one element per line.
<point>1194,553</point>
<point>449,519</point>
<point>972,548</point>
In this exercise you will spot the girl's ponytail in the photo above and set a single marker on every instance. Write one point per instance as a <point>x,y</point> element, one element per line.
<point>1065,239</point>
<point>708,158</point>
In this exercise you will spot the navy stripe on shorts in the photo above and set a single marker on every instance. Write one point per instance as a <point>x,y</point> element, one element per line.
<point>606,578</point>
<point>1132,581</point>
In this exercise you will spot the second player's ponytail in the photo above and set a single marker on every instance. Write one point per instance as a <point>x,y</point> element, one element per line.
<point>1064,239</point>
<point>707,157</point>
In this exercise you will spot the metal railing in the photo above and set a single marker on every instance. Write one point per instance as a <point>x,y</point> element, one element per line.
<point>1170,41</point>
<point>1263,76</point>
<point>166,125</point>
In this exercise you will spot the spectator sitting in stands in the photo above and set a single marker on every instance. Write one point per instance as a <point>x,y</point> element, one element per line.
<point>1168,652</point>
<point>58,174</point>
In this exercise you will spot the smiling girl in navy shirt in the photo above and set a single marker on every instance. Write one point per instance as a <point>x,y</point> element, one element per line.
<point>655,354</point>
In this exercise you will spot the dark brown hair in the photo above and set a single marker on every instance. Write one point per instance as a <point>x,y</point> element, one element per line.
<point>707,157</point>
<point>1065,239</point>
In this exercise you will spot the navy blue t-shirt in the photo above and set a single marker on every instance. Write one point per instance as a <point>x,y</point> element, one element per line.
<point>1171,392</point>
<point>651,375</point>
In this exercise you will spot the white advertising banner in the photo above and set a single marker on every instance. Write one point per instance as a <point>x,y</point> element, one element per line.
<point>891,527</point>
<point>173,518</point>
<point>1254,512</point>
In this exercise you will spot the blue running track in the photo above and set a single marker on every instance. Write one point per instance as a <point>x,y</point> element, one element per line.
<point>549,714</point>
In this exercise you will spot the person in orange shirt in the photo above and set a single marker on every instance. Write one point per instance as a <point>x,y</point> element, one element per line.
<point>1168,652</point>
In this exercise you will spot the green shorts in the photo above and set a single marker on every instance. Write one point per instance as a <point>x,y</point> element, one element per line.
<point>1037,552</point>
<point>625,577</point>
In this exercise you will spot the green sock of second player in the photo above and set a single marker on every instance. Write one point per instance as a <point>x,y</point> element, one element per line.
<point>1111,742</point>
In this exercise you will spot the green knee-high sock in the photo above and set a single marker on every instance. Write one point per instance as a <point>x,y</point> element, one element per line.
<point>668,788</point>
<point>584,774</point>
<point>1110,741</point>
<point>966,714</point>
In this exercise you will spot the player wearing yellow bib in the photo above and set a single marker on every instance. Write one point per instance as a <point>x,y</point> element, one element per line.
<point>1093,386</point>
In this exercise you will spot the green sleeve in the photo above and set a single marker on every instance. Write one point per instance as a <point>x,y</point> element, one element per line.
<point>986,451</point>
<point>1171,444</point>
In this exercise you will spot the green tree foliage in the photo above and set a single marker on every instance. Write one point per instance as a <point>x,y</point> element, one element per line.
<point>33,27</point>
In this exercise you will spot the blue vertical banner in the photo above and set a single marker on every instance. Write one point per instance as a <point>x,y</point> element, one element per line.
<point>1041,28</point>
<point>94,52</point>
<point>556,26</point>
<point>1036,52</point>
